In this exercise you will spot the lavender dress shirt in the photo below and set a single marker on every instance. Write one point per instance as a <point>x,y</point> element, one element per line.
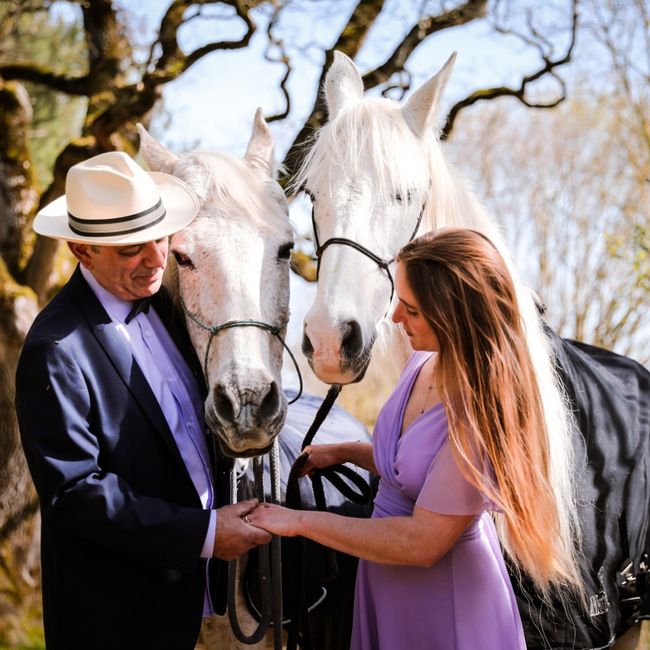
<point>176,391</point>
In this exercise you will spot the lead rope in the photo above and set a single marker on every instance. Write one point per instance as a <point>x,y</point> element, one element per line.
<point>276,551</point>
<point>270,569</point>
<point>298,628</point>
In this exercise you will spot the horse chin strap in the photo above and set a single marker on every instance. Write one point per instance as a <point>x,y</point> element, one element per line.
<point>213,330</point>
<point>383,264</point>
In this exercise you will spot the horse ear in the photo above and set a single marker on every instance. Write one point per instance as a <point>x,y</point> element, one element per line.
<point>259,153</point>
<point>420,108</point>
<point>158,157</point>
<point>343,84</point>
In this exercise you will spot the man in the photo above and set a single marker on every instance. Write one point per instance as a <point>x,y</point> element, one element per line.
<point>109,398</point>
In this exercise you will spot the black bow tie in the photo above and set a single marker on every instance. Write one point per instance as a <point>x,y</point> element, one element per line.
<point>140,305</point>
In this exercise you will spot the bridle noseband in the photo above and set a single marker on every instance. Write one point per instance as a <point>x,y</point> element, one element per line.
<point>215,329</point>
<point>344,241</point>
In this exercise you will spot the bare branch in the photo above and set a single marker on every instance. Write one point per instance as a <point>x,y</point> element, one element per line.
<point>284,59</point>
<point>349,42</point>
<point>37,74</point>
<point>471,10</point>
<point>548,68</point>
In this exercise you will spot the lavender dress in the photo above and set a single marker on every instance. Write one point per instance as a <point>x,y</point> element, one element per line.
<point>465,601</point>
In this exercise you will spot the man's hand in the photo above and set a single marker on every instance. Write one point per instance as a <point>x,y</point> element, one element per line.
<point>234,535</point>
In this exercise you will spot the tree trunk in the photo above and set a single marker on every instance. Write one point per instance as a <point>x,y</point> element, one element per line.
<point>18,308</point>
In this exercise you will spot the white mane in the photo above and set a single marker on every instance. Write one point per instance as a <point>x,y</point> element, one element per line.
<point>370,136</point>
<point>221,179</point>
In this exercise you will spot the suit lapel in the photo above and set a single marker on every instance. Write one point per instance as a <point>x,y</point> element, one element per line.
<point>173,320</point>
<point>121,357</point>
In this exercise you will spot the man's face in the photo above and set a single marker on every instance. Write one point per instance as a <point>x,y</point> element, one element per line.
<point>129,272</point>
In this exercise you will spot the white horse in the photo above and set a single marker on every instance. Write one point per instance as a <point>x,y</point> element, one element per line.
<point>376,174</point>
<point>232,266</point>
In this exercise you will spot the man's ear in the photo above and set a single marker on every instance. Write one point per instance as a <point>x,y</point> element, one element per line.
<point>82,253</point>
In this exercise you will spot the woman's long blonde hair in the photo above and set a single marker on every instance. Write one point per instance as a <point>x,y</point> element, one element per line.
<point>488,383</point>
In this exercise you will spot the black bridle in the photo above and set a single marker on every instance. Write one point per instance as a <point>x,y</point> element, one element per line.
<point>213,330</point>
<point>344,241</point>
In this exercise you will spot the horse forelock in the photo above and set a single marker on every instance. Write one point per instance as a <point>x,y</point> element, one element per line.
<point>367,138</point>
<point>238,190</point>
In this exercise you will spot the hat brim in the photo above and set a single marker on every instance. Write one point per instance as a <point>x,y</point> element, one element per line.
<point>181,206</point>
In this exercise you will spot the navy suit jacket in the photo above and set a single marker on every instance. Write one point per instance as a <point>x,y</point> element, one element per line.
<point>122,524</point>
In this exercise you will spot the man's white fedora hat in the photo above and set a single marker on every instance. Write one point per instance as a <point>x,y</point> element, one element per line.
<point>109,199</point>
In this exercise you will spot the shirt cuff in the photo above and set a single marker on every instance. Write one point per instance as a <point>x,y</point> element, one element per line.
<point>208,545</point>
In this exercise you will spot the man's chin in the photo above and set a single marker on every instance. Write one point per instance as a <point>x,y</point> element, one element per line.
<point>148,289</point>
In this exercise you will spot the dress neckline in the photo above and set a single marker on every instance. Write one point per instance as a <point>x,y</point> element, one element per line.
<point>405,399</point>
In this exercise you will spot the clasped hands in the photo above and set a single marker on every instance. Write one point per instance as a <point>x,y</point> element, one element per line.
<point>247,524</point>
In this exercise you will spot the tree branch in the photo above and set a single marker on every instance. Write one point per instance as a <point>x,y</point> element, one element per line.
<point>18,191</point>
<point>36,74</point>
<point>282,58</point>
<point>548,67</point>
<point>349,42</point>
<point>39,268</point>
<point>427,25</point>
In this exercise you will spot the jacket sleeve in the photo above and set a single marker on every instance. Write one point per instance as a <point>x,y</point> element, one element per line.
<point>56,419</point>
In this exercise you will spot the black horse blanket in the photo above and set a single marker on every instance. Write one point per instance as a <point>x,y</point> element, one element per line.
<point>610,396</point>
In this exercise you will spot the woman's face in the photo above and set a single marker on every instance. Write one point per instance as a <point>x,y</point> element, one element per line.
<point>408,314</point>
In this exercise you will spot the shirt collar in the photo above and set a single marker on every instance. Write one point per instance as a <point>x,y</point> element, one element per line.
<point>117,308</point>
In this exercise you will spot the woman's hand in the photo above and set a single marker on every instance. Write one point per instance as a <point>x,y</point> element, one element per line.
<point>275,519</point>
<point>320,456</point>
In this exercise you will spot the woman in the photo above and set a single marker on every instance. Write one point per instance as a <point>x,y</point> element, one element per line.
<point>461,436</point>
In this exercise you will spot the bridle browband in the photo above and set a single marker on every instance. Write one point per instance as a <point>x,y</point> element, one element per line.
<point>344,241</point>
<point>231,324</point>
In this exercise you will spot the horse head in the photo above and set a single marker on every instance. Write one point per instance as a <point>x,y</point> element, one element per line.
<point>232,276</point>
<point>370,174</point>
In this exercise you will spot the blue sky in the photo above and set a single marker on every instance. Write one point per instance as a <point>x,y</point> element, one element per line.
<point>212,105</point>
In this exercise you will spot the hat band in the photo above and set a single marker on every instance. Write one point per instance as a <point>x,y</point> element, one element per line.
<point>119,225</point>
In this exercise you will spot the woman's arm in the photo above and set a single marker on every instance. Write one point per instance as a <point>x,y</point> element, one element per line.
<point>320,456</point>
<point>419,540</point>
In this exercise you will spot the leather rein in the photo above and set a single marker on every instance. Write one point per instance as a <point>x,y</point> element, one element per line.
<point>270,566</point>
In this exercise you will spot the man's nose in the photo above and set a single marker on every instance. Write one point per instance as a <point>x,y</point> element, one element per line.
<point>156,253</point>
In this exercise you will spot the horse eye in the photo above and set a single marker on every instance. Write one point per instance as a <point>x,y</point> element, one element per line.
<point>284,252</point>
<point>399,197</point>
<point>183,260</point>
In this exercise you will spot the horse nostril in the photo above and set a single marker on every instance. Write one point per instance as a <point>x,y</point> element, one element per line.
<point>270,405</point>
<point>307,347</point>
<point>223,405</point>
<point>351,341</point>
